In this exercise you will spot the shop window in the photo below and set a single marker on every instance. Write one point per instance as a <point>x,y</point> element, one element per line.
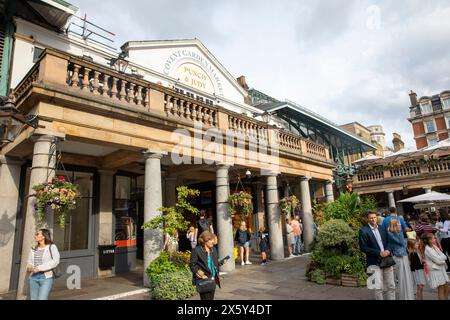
<point>75,234</point>
<point>127,204</point>
<point>448,122</point>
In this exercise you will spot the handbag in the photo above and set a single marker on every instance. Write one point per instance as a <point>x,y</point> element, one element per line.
<point>56,270</point>
<point>205,285</point>
<point>386,262</point>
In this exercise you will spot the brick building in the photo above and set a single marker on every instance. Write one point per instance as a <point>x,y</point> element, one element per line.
<point>430,118</point>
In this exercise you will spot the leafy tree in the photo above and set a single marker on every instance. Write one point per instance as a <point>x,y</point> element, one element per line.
<point>350,208</point>
<point>171,220</point>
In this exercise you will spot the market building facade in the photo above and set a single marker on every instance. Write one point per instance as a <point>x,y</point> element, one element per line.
<point>129,127</point>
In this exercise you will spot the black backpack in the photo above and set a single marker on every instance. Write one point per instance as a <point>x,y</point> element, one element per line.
<point>203,225</point>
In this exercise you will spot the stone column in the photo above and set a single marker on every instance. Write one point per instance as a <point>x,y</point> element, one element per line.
<point>308,220</point>
<point>329,191</point>
<point>170,191</point>
<point>153,239</point>
<point>105,227</point>
<point>224,223</point>
<point>9,200</point>
<point>391,199</point>
<point>42,170</point>
<point>273,216</point>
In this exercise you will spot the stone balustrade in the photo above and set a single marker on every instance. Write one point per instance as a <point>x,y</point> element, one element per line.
<point>439,166</point>
<point>81,76</point>
<point>370,176</point>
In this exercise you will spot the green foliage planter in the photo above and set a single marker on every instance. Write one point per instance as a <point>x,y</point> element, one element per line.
<point>170,277</point>
<point>173,285</point>
<point>335,254</point>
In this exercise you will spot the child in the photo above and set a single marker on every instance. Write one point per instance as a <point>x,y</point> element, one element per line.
<point>191,236</point>
<point>263,238</point>
<point>435,261</point>
<point>417,267</point>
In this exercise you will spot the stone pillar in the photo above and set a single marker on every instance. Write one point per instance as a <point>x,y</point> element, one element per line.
<point>224,223</point>
<point>170,191</point>
<point>427,190</point>
<point>391,199</point>
<point>42,170</point>
<point>308,220</point>
<point>106,213</point>
<point>153,239</point>
<point>329,191</point>
<point>9,200</point>
<point>273,216</point>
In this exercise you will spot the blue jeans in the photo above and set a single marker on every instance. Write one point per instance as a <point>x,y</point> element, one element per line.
<point>40,287</point>
<point>297,241</point>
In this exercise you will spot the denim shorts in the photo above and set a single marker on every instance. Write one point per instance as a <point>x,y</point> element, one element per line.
<point>245,245</point>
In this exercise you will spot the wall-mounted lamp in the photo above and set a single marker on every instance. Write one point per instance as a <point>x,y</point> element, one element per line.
<point>12,121</point>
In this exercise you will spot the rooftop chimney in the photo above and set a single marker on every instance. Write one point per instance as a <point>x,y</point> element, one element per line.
<point>413,98</point>
<point>397,142</point>
<point>242,82</point>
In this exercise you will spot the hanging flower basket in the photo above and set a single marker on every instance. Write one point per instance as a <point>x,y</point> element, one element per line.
<point>289,204</point>
<point>240,203</point>
<point>59,195</point>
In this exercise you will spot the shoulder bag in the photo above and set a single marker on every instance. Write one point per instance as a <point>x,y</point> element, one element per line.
<point>205,285</point>
<point>386,262</point>
<point>56,270</point>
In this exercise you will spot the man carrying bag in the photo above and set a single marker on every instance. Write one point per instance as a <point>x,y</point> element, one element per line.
<point>373,241</point>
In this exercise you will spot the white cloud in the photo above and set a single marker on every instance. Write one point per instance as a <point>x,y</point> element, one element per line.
<point>348,60</point>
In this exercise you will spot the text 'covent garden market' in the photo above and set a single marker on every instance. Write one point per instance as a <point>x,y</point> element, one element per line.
<point>130,126</point>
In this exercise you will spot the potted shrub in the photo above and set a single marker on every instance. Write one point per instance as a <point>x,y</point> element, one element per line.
<point>170,277</point>
<point>58,194</point>
<point>336,256</point>
<point>240,203</point>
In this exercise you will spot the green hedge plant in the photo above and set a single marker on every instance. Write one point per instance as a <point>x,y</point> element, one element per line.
<point>335,253</point>
<point>170,277</point>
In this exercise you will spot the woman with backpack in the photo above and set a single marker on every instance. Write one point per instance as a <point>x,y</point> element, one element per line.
<point>203,225</point>
<point>43,258</point>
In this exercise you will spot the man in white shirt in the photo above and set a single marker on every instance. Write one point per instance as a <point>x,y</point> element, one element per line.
<point>372,241</point>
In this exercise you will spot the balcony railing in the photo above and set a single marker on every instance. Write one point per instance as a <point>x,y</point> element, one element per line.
<point>105,85</point>
<point>404,171</point>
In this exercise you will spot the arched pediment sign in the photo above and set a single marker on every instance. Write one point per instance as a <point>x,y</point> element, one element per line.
<point>193,70</point>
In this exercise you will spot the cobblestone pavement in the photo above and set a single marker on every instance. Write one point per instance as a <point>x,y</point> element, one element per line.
<point>282,280</point>
<point>278,280</point>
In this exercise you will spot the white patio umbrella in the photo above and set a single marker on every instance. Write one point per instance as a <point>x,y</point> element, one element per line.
<point>442,146</point>
<point>367,158</point>
<point>429,198</point>
<point>400,154</point>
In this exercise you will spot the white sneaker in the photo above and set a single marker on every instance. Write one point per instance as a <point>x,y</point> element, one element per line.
<point>242,263</point>
<point>248,262</point>
<point>291,256</point>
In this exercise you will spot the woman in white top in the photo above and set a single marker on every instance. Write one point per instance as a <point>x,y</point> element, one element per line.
<point>435,266</point>
<point>41,262</point>
<point>444,230</point>
<point>192,238</point>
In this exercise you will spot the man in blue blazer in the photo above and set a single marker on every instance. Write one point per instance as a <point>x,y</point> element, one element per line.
<point>373,242</point>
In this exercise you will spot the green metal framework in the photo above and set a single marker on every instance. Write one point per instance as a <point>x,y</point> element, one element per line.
<point>310,125</point>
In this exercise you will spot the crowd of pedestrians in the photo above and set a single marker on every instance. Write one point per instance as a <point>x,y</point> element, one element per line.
<point>406,256</point>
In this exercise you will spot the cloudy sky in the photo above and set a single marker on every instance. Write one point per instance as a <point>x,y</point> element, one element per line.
<point>348,60</point>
